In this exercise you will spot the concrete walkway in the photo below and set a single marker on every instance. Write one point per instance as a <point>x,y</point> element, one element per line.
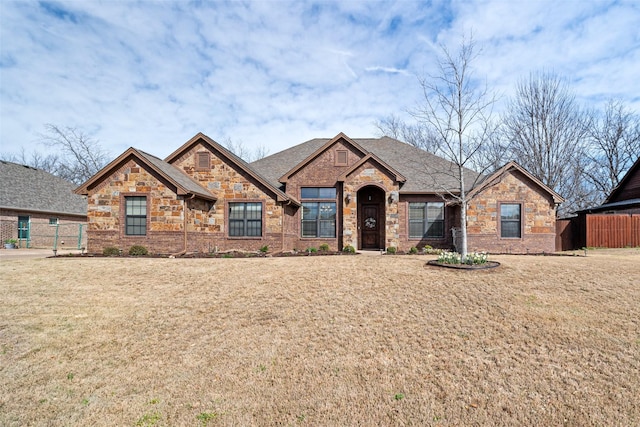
<point>370,253</point>
<point>9,254</point>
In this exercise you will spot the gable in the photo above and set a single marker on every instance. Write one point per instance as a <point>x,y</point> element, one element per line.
<point>223,167</point>
<point>629,187</point>
<point>523,176</point>
<point>424,172</point>
<point>371,161</point>
<point>333,158</point>
<point>171,177</point>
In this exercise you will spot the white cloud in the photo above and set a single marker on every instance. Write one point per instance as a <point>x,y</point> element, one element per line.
<point>153,74</point>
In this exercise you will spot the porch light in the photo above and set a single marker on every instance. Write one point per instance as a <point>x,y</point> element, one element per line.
<point>393,197</point>
<point>347,198</point>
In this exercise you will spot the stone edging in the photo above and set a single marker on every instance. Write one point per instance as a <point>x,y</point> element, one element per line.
<point>487,265</point>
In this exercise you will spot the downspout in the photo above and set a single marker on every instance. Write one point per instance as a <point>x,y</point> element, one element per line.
<point>184,209</point>
<point>282,225</point>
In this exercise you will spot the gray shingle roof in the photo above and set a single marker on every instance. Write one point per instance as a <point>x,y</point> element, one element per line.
<point>425,172</point>
<point>26,188</point>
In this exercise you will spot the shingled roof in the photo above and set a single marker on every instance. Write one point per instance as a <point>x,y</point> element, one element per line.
<point>424,172</point>
<point>184,184</point>
<point>29,189</point>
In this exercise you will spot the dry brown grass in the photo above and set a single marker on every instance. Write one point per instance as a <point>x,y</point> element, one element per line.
<point>347,340</point>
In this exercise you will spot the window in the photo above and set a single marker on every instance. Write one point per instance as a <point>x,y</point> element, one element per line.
<point>318,216</point>
<point>245,219</point>
<point>426,220</point>
<point>135,215</point>
<point>23,227</point>
<point>510,220</point>
<point>203,161</point>
<point>341,158</point>
<point>53,221</point>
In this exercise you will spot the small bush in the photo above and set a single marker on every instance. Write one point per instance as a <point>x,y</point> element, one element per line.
<point>137,250</point>
<point>310,250</point>
<point>349,249</point>
<point>110,251</point>
<point>392,250</point>
<point>264,249</point>
<point>324,247</point>
<point>413,250</point>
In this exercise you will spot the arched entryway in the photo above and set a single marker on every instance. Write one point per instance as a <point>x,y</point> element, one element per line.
<point>371,218</point>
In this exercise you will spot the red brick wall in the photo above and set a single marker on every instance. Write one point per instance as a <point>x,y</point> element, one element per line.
<point>451,219</point>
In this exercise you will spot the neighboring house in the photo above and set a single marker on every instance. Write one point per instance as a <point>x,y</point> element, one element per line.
<point>613,224</point>
<point>366,193</point>
<point>36,206</point>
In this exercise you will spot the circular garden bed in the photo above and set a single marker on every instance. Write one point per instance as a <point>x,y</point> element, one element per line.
<point>485,266</point>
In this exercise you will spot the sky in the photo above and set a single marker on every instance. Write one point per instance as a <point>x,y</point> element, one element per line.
<point>273,74</point>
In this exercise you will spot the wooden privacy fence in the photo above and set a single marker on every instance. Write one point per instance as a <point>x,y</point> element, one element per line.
<point>598,231</point>
<point>564,235</point>
<point>613,231</point>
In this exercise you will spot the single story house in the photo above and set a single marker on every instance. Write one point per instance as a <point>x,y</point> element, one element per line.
<point>370,194</point>
<point>40,209</point>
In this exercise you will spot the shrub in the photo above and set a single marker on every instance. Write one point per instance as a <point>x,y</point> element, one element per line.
<point>110,251</point>
<point>392,250</point>
<point>310,250</point>
<point>137,250</point>
<point>324,247</point>
<point>264,249</point>
<point>349,249</point>
<point>413,250</point>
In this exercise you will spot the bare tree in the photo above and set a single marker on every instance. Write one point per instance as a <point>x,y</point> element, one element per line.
<point>614,145</point>
<point>547,132</point>
<point>457,108</point>
<point>79,156</point>
<point>35,159</point>
<point>245,153</point>
<point>415,134</point>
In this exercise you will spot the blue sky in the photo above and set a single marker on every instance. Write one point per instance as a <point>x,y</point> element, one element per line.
<point>152,74</point>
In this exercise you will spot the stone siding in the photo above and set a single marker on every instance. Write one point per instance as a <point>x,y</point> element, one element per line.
<point>205,220</point>
<point>370,174</point>
<point>538,217</point>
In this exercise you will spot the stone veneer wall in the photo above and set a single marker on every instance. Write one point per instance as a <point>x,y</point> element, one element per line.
<point>230,184</point>
<point>370,174</point>
<point>165,210</point>
<point>538,217</point>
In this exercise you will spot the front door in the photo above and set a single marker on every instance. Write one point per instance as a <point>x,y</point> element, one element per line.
<point>370,226</point>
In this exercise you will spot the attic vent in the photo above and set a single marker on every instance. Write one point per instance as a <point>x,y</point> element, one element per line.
<point>341,158</point>
<point>203,161</point>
